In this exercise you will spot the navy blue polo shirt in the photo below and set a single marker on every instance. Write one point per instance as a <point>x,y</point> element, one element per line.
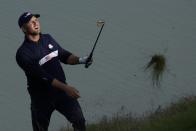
<point>41,63</point>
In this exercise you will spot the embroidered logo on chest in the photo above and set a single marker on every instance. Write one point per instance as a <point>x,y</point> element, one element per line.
<point>50,46</point>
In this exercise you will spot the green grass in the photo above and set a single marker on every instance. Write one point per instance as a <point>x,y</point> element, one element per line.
<point>180,116</point>
<point>157,66</point>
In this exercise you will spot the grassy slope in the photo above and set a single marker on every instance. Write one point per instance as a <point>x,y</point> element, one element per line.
<point>180,116</point>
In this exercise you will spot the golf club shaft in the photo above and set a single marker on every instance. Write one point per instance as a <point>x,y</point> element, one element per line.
<point>91,54</point>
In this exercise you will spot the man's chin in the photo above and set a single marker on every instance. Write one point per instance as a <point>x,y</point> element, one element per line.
<point>35,33</point>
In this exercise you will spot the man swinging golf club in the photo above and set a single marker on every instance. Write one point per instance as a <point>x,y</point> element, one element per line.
<point>40,56</point>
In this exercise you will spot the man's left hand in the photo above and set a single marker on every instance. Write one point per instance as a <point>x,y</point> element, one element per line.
<point>85,60</point>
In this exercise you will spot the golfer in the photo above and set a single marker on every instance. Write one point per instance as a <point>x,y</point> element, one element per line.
<point>40,57</point>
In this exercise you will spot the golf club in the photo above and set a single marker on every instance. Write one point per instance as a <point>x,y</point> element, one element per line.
<point>99,23</point>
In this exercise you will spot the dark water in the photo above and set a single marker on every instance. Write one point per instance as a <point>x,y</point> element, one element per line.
<point>116,82</point>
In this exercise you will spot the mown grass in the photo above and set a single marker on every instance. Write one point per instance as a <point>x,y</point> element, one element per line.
<point>180,116</point>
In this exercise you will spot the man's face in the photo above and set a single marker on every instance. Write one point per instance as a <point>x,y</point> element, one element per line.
<point>32,27</point>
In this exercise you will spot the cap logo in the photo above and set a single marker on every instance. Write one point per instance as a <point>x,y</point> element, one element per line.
<point>27,14</point>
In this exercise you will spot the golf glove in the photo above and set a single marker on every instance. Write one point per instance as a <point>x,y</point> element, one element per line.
<point>83,60</point>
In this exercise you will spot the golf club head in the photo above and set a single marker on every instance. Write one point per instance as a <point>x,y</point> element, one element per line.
<point>100,23</point>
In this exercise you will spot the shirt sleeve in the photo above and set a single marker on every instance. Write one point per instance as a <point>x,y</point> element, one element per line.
<point>62,53</point>
<point>32,68</point>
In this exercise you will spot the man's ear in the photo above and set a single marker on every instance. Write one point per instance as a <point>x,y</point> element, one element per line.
<point>24,29</point>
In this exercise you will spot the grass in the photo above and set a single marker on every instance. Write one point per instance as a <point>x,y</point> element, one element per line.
<point>157,64</point>
<point>180,116</point>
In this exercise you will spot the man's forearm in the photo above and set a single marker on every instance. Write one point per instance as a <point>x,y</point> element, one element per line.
<point>71,91</point>
<point>73,60</point>
<point>58,84</point>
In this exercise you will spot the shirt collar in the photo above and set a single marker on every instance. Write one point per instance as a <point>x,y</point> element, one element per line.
<point>26,39</point>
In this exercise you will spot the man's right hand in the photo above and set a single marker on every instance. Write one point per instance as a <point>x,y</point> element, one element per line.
<point>71,91</point>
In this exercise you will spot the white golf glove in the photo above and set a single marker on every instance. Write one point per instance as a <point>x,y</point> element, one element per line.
<point>83,60</point>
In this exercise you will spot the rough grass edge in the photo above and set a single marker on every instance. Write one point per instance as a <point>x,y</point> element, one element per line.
<point>168,118</point>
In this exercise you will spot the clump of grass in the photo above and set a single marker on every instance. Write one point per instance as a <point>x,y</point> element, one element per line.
<point>157,64</point>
